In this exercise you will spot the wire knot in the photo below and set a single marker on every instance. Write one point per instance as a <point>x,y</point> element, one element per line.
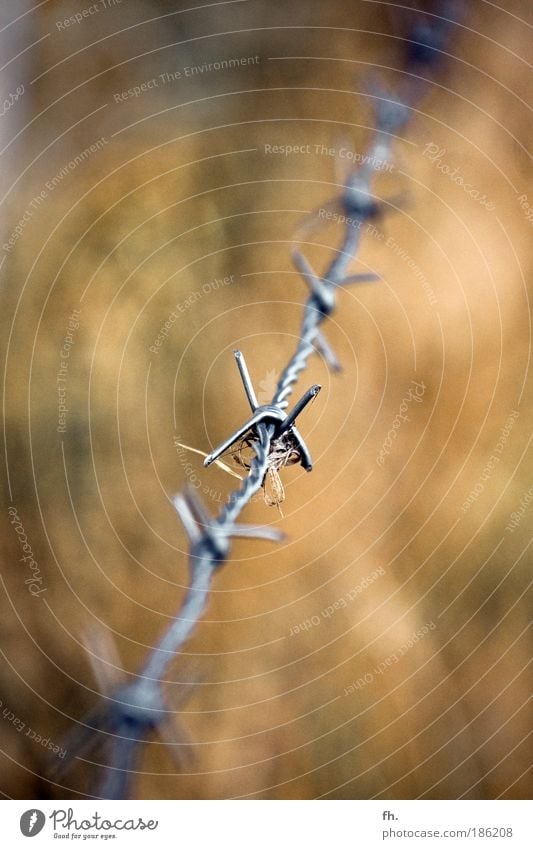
<point>207,535</point>
<point>140,705</point>
<point>268,414</point>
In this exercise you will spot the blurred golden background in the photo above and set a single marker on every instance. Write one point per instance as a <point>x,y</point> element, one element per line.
<point>124,202</point>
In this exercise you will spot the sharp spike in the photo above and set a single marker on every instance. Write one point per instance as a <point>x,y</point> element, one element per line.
<point>187,518</point>
<point>245,377</point>
<point>305,456</point>
<point>298,407</point>
<point>197,508</point>
<point>223,447</point>
<point>257,532</point>
<point>327,351</point>
<point>360,278</point>
<point>303,266</point>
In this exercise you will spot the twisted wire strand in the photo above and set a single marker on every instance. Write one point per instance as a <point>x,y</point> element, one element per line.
<point>358,205</point>
<point>138,710</point>
<point>254,479</point>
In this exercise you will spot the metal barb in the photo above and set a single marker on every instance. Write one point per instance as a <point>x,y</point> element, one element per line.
<point>323,347</point>
<point>209,532</point>
<point>269,414</point>
<point>289,419</point>
<point>247,382</point>
<point>322,291</point>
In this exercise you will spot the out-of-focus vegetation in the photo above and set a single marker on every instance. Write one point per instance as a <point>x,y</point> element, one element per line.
<point>179,193</point>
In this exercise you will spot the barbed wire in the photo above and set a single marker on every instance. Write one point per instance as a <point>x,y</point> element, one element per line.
<point>138,710</point>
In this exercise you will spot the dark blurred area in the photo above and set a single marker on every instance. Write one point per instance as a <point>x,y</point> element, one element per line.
<point>158,161</point>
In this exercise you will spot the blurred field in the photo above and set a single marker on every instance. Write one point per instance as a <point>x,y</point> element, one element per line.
<point>179,194</point>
